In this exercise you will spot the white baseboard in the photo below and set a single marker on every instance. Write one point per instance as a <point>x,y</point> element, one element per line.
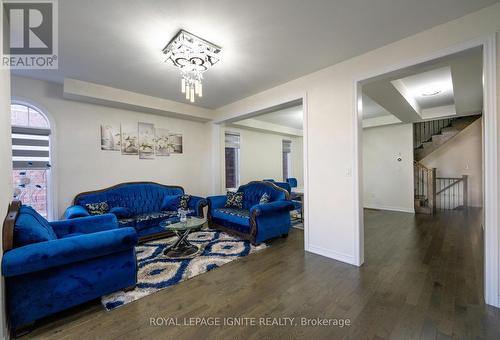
<point>385,207</point>
<point>331,254</point>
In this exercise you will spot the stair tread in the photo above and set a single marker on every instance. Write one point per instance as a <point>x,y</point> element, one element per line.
<point>445,134</point>
<point>450,129</point>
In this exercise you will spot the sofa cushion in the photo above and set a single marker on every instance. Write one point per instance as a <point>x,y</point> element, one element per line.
<point>265,198</point>
<point>120,212</point>
<point>31,227</point>
<point>234,200</point>
<point>170,202</point>
<point>184,201</point>
<point>72,235</point>
<point>234,215</point>
<point>150,219</point>
<point>76,211</point>
<point>126,222</point>
<point>98,208</point>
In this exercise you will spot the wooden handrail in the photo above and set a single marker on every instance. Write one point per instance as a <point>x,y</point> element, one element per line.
<point>420,165</point>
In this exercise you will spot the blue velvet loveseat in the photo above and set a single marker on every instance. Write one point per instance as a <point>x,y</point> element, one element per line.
<point>255,220</point>
<point>140,205</point>
<point>49,267</point>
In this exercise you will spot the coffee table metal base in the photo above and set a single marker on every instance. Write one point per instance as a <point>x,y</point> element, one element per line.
<point>182,247</point>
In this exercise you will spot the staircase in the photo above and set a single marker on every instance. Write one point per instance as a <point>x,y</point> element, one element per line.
<point>431,135</point>
<point>430,191</point>
<point>424,188</point>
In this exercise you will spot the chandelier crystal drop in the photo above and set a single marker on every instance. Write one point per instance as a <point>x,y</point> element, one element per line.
<point>193,56</point>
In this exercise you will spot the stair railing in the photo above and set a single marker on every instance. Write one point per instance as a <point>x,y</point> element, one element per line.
<point>452,192</point>
<point>423,131</point>
<point>424,188</point>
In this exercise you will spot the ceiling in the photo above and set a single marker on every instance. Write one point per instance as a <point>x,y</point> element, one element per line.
<point>445,87</point>
<point>371,109</point>
<point>118,43</point>
<point>291,117</point>
<point>429,89</point>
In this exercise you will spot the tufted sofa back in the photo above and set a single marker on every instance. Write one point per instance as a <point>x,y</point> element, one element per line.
<point>253,191</point>
<point>284,185</point>
<point>139,198</point>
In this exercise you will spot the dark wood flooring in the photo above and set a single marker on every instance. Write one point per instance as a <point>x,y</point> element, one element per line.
<point>422,279</point>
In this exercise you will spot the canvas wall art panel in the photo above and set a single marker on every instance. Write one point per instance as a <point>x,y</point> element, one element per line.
<point>146,141</point>
<point>110,137</point>
<point>175,143</point>
<point>129,143</point>
<point>161,146</point>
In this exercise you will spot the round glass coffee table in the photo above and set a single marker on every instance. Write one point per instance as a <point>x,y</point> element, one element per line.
<point>182,247</point>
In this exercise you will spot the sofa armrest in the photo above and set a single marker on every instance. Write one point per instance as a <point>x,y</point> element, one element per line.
<point>55,253</point>
<point>197,203</point>
<point>75,211</point>
<point>215,202</point>
<point>272,207</point>
<point>85,225</point>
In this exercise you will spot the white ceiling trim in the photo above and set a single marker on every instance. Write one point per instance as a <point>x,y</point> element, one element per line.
<point>262,126</point>
<point>104,95</point>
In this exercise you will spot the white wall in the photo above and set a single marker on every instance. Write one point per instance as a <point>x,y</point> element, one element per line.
<point>261,155</point>
<point>331,210</point>
<point>462,155</point>
<point>80,164</point>
<point>388,183</point>
<point>6,161</point>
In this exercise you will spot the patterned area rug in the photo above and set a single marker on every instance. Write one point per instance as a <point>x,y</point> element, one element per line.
<point>157,272</point>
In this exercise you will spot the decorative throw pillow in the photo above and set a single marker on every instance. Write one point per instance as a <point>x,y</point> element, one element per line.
<point>120,212</point>
<point>30,227</point>
<point>184,202</point>
<point>265,198</point>
<point>234,200</point>
<point>98,208</point>
<point>170,203</point>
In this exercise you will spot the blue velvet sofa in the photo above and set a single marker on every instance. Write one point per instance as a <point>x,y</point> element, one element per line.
<point>49,267</point>
<point>138,205</point>
<point>254,221</point>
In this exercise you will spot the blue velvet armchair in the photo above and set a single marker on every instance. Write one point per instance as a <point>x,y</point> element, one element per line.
<point>292,181</point>
<point>140,205</point>
<point>297,205</point>
<point>49,267</point>
<point>255,221</point>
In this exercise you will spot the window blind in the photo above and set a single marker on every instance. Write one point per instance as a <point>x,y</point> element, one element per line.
<point>287,146</point>
<point>30,148</point>
<point>232,140</point>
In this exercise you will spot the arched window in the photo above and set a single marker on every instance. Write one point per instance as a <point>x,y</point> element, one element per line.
<point>31,156</point>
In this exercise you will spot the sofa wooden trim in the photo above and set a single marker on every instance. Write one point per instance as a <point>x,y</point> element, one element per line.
<point>249,237</point>
<point>8,225</point>
<point>152,237</point>
<point>122,184</point>
<point>272,185</point>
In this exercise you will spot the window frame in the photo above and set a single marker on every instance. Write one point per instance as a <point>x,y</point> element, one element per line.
<point>30,107</point>
<point>237,156</point>
<point>289,172</point>
<point>50,185</point>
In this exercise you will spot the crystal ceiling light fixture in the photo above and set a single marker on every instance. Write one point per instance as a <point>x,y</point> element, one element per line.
<point>193,56</point>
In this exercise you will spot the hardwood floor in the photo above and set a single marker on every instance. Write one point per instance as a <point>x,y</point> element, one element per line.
<point>422,279</point>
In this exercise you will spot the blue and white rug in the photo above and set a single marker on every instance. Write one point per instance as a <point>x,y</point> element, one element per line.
<point>156,271</point>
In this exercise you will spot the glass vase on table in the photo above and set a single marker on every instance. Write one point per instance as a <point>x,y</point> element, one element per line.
<point>182,214</point>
